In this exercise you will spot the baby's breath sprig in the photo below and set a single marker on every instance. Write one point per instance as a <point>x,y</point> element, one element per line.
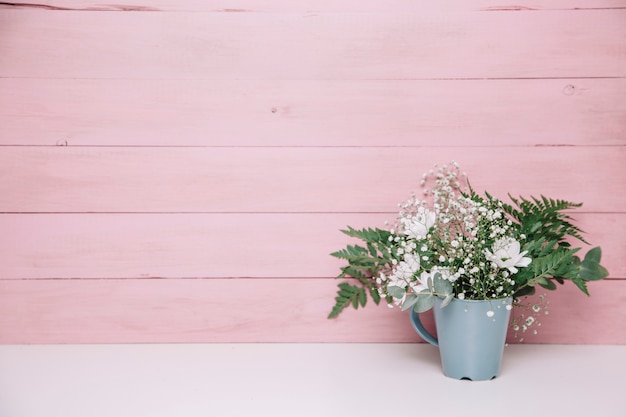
<point>455,243</point>
<point>528,318</point>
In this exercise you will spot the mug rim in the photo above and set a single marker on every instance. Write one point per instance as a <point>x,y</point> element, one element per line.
<point>480,301</point>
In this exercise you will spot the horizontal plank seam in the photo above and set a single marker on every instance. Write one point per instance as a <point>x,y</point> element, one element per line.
<point>536,145</point>
<point>6,280</point>
<point>129,8</point>
<point>157,278</point>
<point>111,8</point>
<point>597,77</point>
<point>530,9</point>
<point>244,213</point>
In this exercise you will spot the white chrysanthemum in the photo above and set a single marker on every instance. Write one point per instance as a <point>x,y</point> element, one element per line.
<point>405,269</point>
<point>506,254</point>
<point>418,226</point>
<point>422,283</point>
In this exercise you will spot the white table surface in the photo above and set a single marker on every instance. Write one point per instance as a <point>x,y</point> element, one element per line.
<point>220,380</point>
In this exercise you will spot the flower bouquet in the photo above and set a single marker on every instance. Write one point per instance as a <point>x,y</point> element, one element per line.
<point>456,244</point>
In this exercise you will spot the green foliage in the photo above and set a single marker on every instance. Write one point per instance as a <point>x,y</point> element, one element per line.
<point>346,295</point>
<point>425,299</point>
<point>364,262</point>
<point>442,287</point>
<point>548,233</point>
<point>468,245</point>
<point>544,219</point>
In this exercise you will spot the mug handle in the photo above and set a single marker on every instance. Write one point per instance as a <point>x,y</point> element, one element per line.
<point>421,330</point>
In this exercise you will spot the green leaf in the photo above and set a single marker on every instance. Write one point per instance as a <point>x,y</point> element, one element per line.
<point>446,300</point>
<point>395,291</point>
<point>375,295</point>
<point>425,301</point>
<point>535,227</point>
<point>443,287</point>
<point>524,291</point>
<point>371,249</point>
<point>346,295</point>
<point>594,255</point>
<point>581,284</point>
<point>590,268</point>
<point>362,297</point>
<point>547,284</point>
<point>592,271</point>
<point>409,302</point>
<point>340,304</point>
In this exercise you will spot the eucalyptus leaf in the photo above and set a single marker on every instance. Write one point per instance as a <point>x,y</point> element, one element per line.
<point>430,283</point>
<point>443,287</point>
<point>594,255</point>
<point>425,301</point>
<point>410,301</point>
<point>592,271</point>
<point>395,291</point>
<point>446,300</point>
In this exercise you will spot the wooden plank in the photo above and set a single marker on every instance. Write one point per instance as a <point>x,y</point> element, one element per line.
<point>187,45</point>
<point>211,245</point>
<point>239,6</point>
<point>252,310</point>
<point>312,113</point>
<point>77,179</point>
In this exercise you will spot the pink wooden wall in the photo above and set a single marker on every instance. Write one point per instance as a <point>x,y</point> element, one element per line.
<point>178,171</point>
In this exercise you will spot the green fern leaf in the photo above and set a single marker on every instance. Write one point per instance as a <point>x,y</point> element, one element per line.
<point>582,285</point>
<point>375,295</point>
<point>346,295</point>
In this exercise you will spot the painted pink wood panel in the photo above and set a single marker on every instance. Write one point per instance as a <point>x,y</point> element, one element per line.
<point>312,113</point>
<point>252,310</point>
<point>302,119</point>
<point>240,6</point>
<point>279,46</point>
<point>68,179</point>
<point>281,245</point>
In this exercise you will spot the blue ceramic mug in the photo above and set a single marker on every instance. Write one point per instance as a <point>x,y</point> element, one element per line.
<point>470,335</point>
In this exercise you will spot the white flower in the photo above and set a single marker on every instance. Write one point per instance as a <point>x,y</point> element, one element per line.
<point>506,254</point>
<point>422,283</point>
<point>418,226</point>
<point>408,267</point>
<point>445,273</point>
